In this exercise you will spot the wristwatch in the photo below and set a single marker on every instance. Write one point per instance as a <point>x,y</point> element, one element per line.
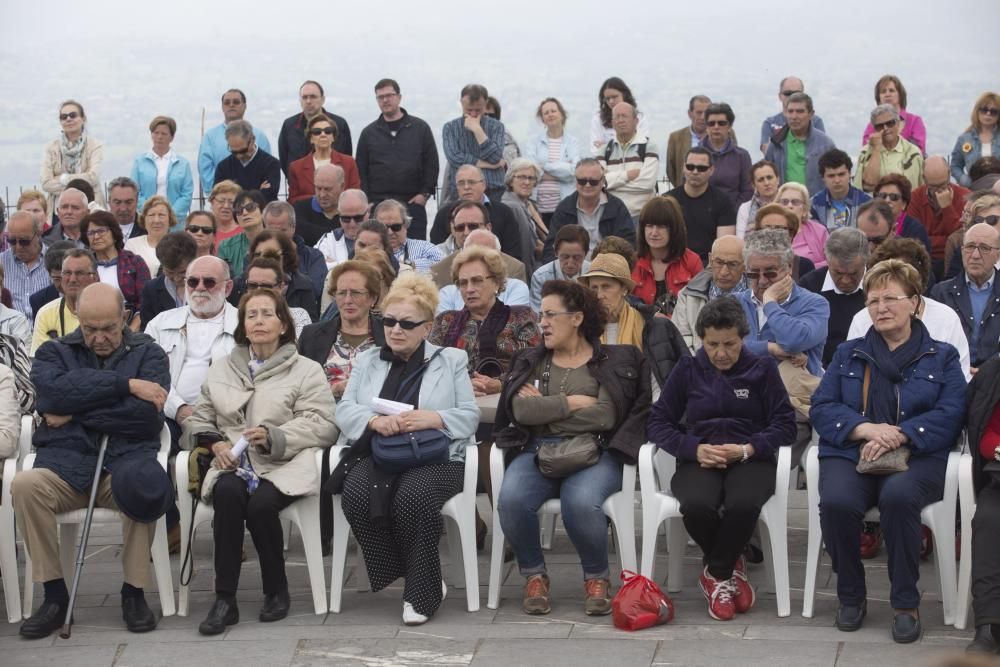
<point>746,454</point>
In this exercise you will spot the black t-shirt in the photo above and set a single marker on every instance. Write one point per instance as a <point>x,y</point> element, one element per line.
<point>702,216</point>
<point>394,125</point>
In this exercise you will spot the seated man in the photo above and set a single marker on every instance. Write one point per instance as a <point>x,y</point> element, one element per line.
<point>102,379</point>
<point>937,205</point>
<point>836,205</point>
<point>166,291</point>
<point>839,282</point>
<point>470,218</point>
<point>318,215</point>
<point>472,188</point>
<point>723,277</point>
<point>888,153</point>
<point>515,293</point>
<point>878,222</point>
<point>338,245</point>
<point>418,254</point>
<point>572,245</point>
<point>630,161</point>
<point>975,293</point>
<point>59,318</point>
<point>53,264</point>
<point>279,217</point>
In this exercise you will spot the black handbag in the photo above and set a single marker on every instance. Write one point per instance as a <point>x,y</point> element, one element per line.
<point>402,451</point>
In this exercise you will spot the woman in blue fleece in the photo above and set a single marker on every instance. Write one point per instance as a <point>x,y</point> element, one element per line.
<point>723,413</point>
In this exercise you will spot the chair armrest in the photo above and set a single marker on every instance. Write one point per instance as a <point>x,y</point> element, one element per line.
<point>966,488</point>
<point>647,475</point>
<point>9,470</point>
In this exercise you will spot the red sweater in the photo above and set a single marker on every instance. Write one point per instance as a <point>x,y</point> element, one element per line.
<point>939,224</point>
<point>991,436</point>
<point>302,171</point>
<point>678,273</point>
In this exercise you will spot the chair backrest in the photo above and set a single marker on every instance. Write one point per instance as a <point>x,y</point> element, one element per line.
<point>24,441</point>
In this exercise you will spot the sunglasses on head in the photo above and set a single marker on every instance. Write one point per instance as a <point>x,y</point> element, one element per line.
<point>196,229</point>
<point>755,275</point>
<point>881,126</point>
<point>69,116</point>
<point>352,218</point>
<point>592,182</point>
<point>406,325</point>
<point>316,131</point>
<point>461,227</point>
<point>208,282</point>
<point>700,168</point>
<point>789,93</point>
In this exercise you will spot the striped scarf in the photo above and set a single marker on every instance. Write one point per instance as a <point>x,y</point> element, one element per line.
<point>14,355</point>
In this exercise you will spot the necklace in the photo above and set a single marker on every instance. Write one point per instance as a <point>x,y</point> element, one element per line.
<point>547,376</point>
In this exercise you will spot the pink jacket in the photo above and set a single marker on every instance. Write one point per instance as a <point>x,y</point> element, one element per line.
<point>913,131</point>
<point>810,242</point>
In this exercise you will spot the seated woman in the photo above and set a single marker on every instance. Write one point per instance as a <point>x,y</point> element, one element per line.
<point>984,429</point>
<point>201,226</point>
<point>665,263</point>
<point>979,139</point>
<point>570,386</point>
<point>723,414</point>
<point>157,219</point>
<point>890,90</point>
<point>776,216</point>
<point>522,177</point>
<point>810,239</point>
<point>278,401</point>
<point>298,291</point>
<point>657,337</point>
<point>116,266</point>
<point>265,272</point>
<point>896,191</point>
<point>765,179</point>
<point>396,518</point>
<point>862,413</point>
<point>248,210</point>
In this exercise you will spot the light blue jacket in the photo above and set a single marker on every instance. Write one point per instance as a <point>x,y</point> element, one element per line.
<point>961,161</point>
<point>214,150</point>
<point>537,150</point>
<point>445,388</point>
<point>180,185</point>
<point>798,325</point>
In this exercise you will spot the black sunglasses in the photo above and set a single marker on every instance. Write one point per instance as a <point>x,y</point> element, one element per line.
<point>316,131</point>
<point>406,325</point>
<point>888,196</point>
<point>881,126</point>
<point>462,226</point>
<point>755,275</point>
<point>990,220</point>
<point>352,218</point>
<point>718,123</point>
<point>990,111</point>
<point>21,242</point>
<point>194,229</point>
<point>588,181</point>
<point>700,168</point>
<point>395,228</point>
<point>194,281</point>
<point>68,116</point>
<point>253,285</point>
<point>246,208</point>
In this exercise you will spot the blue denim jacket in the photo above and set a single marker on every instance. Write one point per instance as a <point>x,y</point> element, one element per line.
<point>961,159</point>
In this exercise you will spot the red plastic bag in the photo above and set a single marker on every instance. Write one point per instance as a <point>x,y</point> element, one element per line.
<point>640,603</point>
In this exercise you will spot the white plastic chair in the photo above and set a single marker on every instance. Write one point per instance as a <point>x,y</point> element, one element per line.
<point>656,467</point>
<point>304,513</point>
<point>69,528</point>
<point>619,507</point>
<point>967,503</point>
<point>8,547</point>
<point>938,516</point>
<point>460,510</point>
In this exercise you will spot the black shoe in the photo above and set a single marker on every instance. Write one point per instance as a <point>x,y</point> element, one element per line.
<point>223,612</point>
<point>47,619</point>
<point>753,554</point>
<point>983,642</point>
<point>137,614</point>
<point>275,607</point>
<point>850,617</point>
<point>327,547</point>
<point>905,628</point>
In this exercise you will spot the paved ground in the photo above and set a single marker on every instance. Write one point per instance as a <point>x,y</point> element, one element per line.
<point>369,633</point>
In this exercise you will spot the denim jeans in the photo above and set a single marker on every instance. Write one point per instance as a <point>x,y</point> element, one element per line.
<point>581,494</point>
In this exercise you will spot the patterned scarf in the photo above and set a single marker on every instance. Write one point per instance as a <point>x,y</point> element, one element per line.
<point>714,291</point>
<point>14,356</point>
<point>72,153</point>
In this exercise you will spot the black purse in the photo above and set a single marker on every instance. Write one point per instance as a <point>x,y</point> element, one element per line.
<point>398,453</point>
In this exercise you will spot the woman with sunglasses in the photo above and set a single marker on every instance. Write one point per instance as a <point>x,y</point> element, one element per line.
<point>248,211</point>
<point>890,90</point>
<point>321,133</point>
<point>981,139</point>
<point>75,154</point>
<point>116,266</point>
<point>895,190</point>
<point>396,517</point>
<point>157,219</point>
<point>201,225</point>
<point>298,288</point>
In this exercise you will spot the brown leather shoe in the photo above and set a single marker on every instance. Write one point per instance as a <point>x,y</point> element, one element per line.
<point>535,598</point>
<point>598,602</point>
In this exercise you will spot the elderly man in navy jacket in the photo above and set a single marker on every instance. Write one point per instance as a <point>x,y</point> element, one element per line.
<point>102,379</point>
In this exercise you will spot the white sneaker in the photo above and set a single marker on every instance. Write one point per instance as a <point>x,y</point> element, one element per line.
<point>410,615</point>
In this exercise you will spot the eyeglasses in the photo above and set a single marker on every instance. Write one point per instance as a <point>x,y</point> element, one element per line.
<point>881,126</point>
<point>249,207</point>
<point>355,294</point>
<point>526,177</point>
<point>550,314</point>
<point>732,265</point>
<point>232,102</point>
<point>990,220</point>
<point>316,131</point>
<point>97,231</point>
<point>198,229</point>
<point>395,228</point>
<point>791,202</point>
<point>69,116</point>
<point>468,182</point>
<point>890,301</point>
<point>981,247</point>
<point>255,285</point>
<point>207,281</point>
<point>352,218</point>
<point>461,227</point>
<point>224,203</point>
<point>406,325</point>
<point>474,281</point>
<point>700,168</point>
<point>24,243</point>
<point>889,196</point>
<point>76,274</point>
<point>990,111</point>
<point>718,123</point>
<point>755,275</point>
<point>592,182</point>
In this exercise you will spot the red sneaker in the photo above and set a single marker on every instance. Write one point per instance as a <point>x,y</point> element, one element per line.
<point>719,595</point>
<point>745,595</point>
<point>871,540</point>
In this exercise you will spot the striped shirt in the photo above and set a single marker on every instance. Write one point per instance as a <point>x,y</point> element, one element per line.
<point>548,189</point>
<point>22,281</point>
<point>420,255</point>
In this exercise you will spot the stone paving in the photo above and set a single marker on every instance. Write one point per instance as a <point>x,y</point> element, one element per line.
<point>369,632</point>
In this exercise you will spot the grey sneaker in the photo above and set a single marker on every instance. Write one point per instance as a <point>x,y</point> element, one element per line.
<point>598,602</point>
<point>535,598</point>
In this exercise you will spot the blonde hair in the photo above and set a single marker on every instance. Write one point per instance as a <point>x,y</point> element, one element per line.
<point>802,190</point>
<point>889,270</point>
<point>225,187</point>
<point>33,195</point>
<point>378,260</point>
<point>415,289</point>
<point>488,256</point>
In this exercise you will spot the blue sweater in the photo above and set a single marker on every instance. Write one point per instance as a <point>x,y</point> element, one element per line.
<point>798,325</point>
<point>747,403</point>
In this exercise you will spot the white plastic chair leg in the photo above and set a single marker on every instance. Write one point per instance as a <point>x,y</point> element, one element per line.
<point>967,502</point>
<point>8,549</point>
<point>161,568</point>
<point>304,513</point>
<point>676,550</point>
<point>548,526</point>
<point>814,538</point>
<point>338,555</point>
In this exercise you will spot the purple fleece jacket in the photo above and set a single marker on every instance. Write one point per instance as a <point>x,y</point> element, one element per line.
<point>747,403</point>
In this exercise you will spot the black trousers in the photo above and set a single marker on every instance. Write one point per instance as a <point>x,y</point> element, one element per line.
<point>986,556</point>
<point>721,507</point>
<point>235,507</point>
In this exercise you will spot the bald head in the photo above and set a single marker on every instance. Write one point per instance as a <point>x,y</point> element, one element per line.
<point>985,240</point>
<point>217,266</point>
<point>936,171</point>
<point>728,244</point>
<point>101,311</point>
<point>328,183</point>
<point>482,237</point>
<point>72,194</point>
<point>353,202</point>
<point>330,171</point>
<point>726,261</point>
<point>469,171</point>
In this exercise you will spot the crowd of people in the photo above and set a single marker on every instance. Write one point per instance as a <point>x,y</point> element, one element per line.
<point>752,304</point>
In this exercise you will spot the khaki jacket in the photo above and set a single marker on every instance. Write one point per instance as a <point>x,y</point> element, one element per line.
<point>10,414</point>
<point>289,395</point>
<point>90,170</point>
